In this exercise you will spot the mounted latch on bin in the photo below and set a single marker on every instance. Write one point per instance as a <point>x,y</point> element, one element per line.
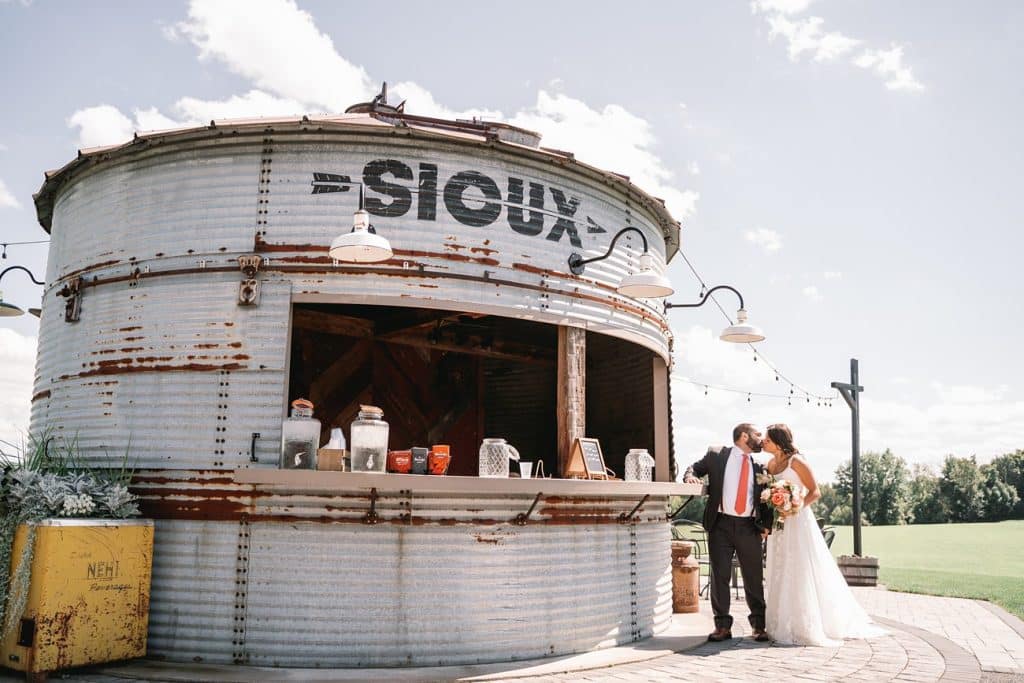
<point>249,287</point>
<point>372,517</point>
<point>523,517</point>
<point>625,518</point>
<point>72,291</point>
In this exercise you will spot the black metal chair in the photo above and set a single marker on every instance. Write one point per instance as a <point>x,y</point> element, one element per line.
<point>826,531</point>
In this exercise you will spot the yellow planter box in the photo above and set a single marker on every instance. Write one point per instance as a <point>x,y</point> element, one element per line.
<point>88,600</point>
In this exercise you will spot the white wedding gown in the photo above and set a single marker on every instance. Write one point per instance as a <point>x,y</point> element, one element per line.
<point>808,600</point>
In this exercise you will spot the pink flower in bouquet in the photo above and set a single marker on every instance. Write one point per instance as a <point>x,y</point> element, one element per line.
<point>779,497</point>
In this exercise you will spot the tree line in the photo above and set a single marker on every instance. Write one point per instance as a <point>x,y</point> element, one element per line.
<point>893,493</point>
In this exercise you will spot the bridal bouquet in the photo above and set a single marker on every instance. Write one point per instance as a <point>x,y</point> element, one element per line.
<point>784,497</point>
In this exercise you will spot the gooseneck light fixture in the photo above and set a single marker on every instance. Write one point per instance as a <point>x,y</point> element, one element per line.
<point>10,310</point>
<point>646,283</point>
<point>362,244</point>
<point>741,332</point>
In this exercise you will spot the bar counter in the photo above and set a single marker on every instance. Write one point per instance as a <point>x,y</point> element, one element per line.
<point>401,570</point>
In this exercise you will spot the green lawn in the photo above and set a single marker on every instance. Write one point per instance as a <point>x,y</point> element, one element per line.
<point>983,560</point>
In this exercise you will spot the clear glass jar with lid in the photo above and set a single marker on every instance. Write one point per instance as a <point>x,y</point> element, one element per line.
<point>369,440</point>
<point>639,465</point>
<point>300,437</point>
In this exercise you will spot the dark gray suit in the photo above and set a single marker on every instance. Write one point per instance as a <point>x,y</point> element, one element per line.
<point>728,534</point>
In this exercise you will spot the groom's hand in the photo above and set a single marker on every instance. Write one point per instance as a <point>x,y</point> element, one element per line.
<point>764,534</point>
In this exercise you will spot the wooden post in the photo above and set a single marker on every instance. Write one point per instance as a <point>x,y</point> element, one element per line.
<point>572,391</point>
<point>661,421</point>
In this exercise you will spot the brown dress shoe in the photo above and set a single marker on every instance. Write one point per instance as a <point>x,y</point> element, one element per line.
<point>720,634</point>
<point>760,636</point>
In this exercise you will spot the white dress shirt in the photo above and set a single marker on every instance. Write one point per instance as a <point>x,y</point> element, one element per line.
<point>732,481</point>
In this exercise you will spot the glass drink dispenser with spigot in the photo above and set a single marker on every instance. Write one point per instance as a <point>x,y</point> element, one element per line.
<point>300,437</point>
<point>369,440</point>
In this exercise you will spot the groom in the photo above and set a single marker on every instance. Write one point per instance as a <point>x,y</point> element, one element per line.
<point>735,521</point>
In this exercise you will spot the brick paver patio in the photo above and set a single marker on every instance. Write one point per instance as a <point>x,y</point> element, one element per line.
<point>929,639</point>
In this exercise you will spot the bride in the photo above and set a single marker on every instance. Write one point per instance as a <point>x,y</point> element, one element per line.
<point>808,600</point>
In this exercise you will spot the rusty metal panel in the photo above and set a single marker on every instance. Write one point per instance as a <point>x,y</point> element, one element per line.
<point>171,371</point>
<point>436,595</point>
<point>199,198</point>
<point>284,578</point>
<point>192,606</point>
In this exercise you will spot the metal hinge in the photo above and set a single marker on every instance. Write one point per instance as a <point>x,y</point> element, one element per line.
<point>249,287</point>
<point>72,290</point>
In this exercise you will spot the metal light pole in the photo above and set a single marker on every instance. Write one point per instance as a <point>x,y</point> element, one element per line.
<point>851,394</point>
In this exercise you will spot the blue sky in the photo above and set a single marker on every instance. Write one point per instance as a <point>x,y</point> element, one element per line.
<point>851,167</point>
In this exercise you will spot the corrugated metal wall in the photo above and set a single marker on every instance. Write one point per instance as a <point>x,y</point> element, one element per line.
<point>169,371</point>
<point>149,361</point>
<point>394,595</point>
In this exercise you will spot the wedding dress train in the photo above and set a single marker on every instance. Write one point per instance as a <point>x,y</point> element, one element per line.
<point>808,600</point>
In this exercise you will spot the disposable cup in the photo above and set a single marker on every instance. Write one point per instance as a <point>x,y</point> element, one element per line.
<point>525,468</point>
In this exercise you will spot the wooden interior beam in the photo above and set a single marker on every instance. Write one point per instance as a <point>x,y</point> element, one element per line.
<point>331,323</point>
<point>572,391</point>
<point>517,352</point>
<point>339,371</point>
<point>662,464</point>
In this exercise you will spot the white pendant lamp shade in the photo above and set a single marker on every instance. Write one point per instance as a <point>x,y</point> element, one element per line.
<point>742,332</point>
<point>360,245</point>
<point>645,283</point>
<point>9,310</point>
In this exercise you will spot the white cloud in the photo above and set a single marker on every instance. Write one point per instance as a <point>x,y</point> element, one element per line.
<point>304,73</point>
<point>611,138</point>
<point>7,200</point>
<point>889,65</point>
<point>151,119</point>
<point>171,33</point>
<point>769,240</point>
<point>832,275</point>
<point>101,125</point>
<point>805,35</point>
<point>422,102</point>
<point>278,47</point>
<point>18,358</point>
<point>780,6</point>
<point>811,292</point>
<point>3,147</point>
<point>251,104</point>
<point>962,420</point>
<point>693,168</point>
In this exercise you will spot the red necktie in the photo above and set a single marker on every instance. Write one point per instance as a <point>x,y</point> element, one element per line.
<point>741,492</point>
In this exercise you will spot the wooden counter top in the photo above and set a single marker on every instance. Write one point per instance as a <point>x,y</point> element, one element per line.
<point>320,481</point>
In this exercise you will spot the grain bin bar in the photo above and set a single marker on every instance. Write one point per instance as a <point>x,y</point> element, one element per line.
<point>190,297</point>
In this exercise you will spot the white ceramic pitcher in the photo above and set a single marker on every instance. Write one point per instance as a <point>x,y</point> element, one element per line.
<point>494,457</point>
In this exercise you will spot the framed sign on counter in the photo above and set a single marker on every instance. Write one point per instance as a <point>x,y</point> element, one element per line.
<point>586,460</point>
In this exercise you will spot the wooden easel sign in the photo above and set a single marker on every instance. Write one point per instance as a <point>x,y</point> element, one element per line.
<point>586,460</point>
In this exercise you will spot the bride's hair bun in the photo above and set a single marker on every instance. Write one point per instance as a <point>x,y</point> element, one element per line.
<point>783,438</point>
